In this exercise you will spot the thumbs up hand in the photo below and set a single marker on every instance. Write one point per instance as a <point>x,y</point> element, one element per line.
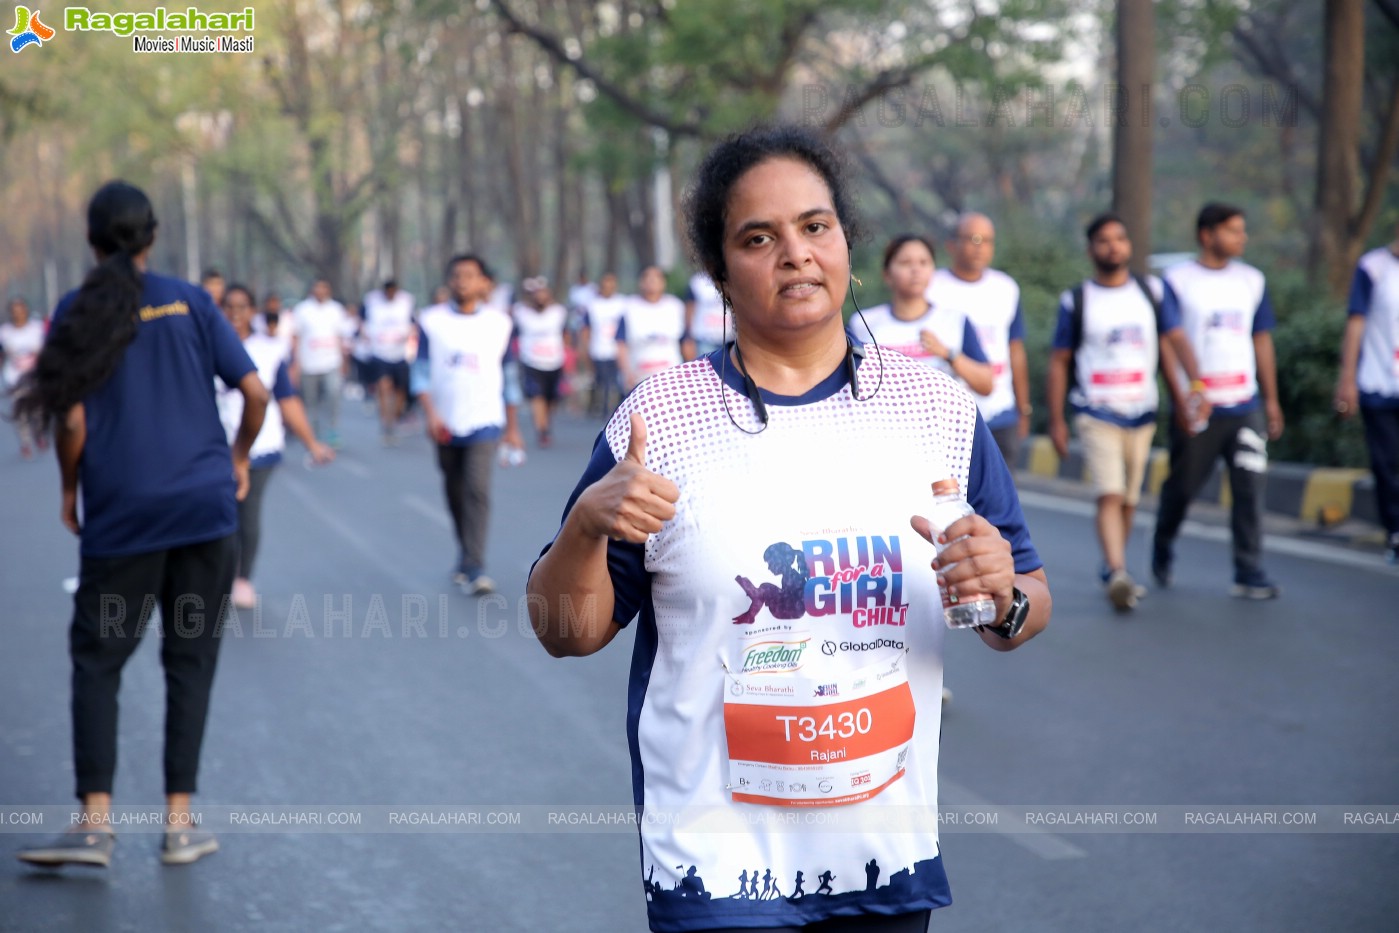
<point>630,502</point>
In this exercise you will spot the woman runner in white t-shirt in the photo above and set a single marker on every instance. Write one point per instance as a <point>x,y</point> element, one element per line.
<point>914,326</point>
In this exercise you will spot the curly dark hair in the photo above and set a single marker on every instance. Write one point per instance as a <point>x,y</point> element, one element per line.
<point>707,201</point>
<point>90,338</point>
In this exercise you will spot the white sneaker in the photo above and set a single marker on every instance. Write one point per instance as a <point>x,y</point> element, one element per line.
<point>1123,592</point>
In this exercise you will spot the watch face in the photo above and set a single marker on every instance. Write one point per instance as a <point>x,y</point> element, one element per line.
<point>1015,617</point>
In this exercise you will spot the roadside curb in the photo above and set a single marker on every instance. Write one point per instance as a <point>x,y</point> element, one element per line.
<point>1320,496</point>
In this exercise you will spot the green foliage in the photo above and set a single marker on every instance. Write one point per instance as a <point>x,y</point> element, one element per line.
<point>1308,346</point>
<point>1044,262</point>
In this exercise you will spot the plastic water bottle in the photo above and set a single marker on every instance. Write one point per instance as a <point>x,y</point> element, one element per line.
<point>963,611</point>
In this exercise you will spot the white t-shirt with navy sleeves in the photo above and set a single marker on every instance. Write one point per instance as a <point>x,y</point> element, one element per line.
<point>1221,311</point>
<point>1374,295</point>
<point>792,488</point>
<point>1116,361</point>
<point>460,357</point>
<point>992,305</point>
<point>267,355</point>
<point>952,327</point>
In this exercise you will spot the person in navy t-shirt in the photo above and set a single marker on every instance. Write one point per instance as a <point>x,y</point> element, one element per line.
<point>126,378</point>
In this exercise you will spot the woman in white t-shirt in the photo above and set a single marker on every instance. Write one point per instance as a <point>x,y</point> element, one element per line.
<point>540,322</point>
<point>21,338</point>
<point>823,701</point>
<point>651,337</point>
<point>914,326</point>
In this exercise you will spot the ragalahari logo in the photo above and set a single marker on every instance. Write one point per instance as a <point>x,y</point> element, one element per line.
<point>29,30</point>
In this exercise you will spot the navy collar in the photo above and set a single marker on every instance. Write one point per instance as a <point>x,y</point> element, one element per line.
<point>734,380</point>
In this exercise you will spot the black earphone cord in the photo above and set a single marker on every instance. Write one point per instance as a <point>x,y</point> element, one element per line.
<point>755,395</point>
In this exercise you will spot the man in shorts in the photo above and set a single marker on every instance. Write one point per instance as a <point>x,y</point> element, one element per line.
<point>1104,359</point>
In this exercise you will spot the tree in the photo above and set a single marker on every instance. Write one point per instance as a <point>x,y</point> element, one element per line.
<point>1357,110</point>
<point>1134,124</point>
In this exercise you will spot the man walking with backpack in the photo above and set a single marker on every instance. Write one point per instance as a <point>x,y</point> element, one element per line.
<point>1104,360</point>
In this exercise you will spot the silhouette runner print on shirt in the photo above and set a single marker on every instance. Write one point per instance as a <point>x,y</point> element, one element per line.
<point>785,602</point>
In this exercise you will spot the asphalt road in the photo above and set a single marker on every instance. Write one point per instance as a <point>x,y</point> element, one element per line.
<point>387,754</point>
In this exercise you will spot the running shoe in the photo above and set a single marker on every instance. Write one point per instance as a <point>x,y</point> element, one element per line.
<point>1254,586</point>
<point>182,846</point>
<point>80,845</point>
<point>1123,591</point>
<point>479,585</point>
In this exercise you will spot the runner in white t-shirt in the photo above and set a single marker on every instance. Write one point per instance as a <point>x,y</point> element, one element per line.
<point>704,314</point>
<point>319,342</point>
<point>266,453</point>
<point>651,337</point>
<point>990,299</point>
<point>1369,377</point>
<point>540,324</point>
<point>388,325</point>
<point>783,708</point>
<point>940,337</point>
<point>1228,317</point>
<point>21,339</point>
<point>1109,334</point>
<point>601,320</point>
<point>460,382</point>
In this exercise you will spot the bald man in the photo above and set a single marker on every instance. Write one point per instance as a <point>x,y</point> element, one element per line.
<point>990,299</point>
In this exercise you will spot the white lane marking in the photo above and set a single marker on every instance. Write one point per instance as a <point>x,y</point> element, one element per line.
<point>433,513</point>
<point>1010,823</point>
<point>1293,547</point>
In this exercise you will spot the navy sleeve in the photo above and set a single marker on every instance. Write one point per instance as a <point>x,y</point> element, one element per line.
<point>281,386</point>
<point>1017,323</point>
<point>1263,318</point>
<point>1362,289</point>
<point>1063,327</point>
<point>991,491</point>
<point>622,328</point>
<point>1170,308</point>
<point>971,343</point>
<point>626,562</point>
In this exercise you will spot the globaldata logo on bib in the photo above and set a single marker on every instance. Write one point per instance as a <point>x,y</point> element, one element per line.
<point>29,30</point>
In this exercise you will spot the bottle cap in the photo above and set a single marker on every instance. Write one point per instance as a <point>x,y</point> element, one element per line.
<point>946,487</point>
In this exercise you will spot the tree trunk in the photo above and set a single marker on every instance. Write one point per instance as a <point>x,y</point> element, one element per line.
<point>1343,89</point>
<point>1132,124</point>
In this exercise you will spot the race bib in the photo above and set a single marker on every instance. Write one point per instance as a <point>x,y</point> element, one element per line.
<point>817,742</point>
<point>1122,386</point>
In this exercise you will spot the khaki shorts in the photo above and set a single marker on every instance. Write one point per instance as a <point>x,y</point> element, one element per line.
<point>1116,456</point>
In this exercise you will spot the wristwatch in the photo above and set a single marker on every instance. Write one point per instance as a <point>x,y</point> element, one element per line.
<point>1014,619</point>
<point>952,354</point>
